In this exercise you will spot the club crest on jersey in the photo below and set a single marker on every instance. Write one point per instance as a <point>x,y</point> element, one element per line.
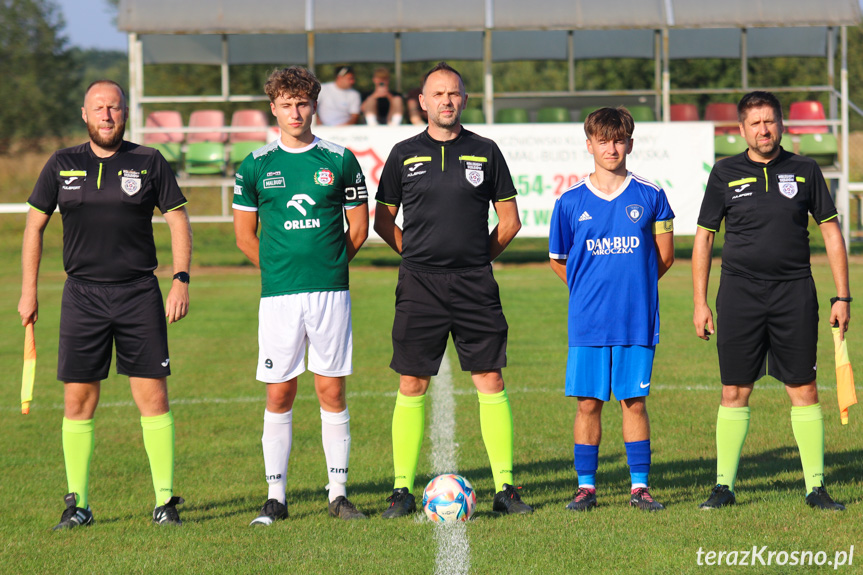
<point>324,177</point>
<point>473,173</point>
<point>130,182</point>
<point>787,185</point>
<point>634,212</point>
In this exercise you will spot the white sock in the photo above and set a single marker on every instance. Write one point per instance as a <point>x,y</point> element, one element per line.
<point>276,440</point>
<point>336,437</point>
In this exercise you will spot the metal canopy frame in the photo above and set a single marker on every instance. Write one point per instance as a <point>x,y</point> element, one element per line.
<point>223,32</point>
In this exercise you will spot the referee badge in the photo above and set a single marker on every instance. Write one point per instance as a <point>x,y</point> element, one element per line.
<point>787,185</point>
<point>475,177</point>
<point>130,182</point>
<point>634,212</point>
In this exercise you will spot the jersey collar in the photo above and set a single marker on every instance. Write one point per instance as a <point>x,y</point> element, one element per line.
<point>608,197</point>
<point>298,150</point>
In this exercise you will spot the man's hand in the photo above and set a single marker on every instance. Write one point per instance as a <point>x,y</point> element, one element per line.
<point>702,317</point>
<point>28,307</point>
<point>177,304</point>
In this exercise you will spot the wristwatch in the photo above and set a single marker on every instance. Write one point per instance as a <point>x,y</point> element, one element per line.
<point>848,299</point>
<point>182,276</point>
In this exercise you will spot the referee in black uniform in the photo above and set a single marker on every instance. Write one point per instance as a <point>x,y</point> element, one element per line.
<point>106,190</point>
<point>767,306</point>
<point>444,179</point>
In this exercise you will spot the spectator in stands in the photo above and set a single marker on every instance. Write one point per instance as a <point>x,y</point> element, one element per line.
<point>338,102</point>
<point>416,114</point>
<point>383,106</point>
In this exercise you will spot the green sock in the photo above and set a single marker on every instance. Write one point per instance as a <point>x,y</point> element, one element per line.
<point>495,420</point>
<point>159,443</point>
<point>732,425</point>
<point>409,419</point>
<point>78,444</point>
<point>808,425</point>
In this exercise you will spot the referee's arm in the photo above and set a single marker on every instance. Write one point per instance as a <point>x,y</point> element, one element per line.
<point>702,251</point>
<point>177,303</point>
<point>834,243</point>
<point>508,226</point>
<point>31,256</point>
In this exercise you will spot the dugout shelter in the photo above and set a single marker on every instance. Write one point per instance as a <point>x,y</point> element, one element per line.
<point>312,32</point>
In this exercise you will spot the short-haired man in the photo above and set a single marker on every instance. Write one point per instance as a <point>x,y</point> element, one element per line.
<point>767,305</point>
<point>339,103</point>
<point>444,178</point>
<point>302,188</point>
<point>106,190</point>
<point>611,239</point>
<point>383,107</point>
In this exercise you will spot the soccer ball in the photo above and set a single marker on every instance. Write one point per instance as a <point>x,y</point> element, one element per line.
<point>449,498</point>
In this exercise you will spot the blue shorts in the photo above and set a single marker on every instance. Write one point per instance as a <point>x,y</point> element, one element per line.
<point>597,371</point>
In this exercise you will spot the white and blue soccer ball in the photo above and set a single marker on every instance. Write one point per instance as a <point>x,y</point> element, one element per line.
<point>448,498</point>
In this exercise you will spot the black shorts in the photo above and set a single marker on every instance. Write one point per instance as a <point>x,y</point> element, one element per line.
<point>432,304</point>
<point>772,320</point>
<point>93,316</point>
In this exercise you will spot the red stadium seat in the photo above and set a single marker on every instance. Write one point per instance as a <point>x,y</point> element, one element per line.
<point>722,112</point>
<point>251,119</point>
<point>164,119</point>
<point>684,113</point>
<point>808,110</point>
<point>207,119</point>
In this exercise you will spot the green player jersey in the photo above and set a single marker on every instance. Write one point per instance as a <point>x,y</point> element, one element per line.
<point>300,196</point>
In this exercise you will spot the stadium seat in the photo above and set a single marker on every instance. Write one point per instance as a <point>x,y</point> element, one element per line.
<point>808,110</point>
<point>472,116</point>
<point>207,119</point>
<point>642,113</point>
<point>823,148</point>
<point>553,115</point>
<point>171,152</point>
<point>511,116</point>
<point>164,119</point>
<point>722,112</point>
<point>239,151</point>
<point>728,145</point>
<point>684,113</point>
<point>251,119</point>
<point>205,158</point>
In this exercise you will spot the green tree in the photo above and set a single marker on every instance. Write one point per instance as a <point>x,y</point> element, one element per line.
<point>37,70</point>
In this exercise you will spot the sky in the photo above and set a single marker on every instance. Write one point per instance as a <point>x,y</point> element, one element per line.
<point>89,24</point>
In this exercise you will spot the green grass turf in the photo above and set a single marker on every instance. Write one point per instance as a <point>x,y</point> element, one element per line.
<point>219,407</point>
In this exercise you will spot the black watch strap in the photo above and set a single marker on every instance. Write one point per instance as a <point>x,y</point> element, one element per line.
<point>182,276</point>
<point>837,298</point>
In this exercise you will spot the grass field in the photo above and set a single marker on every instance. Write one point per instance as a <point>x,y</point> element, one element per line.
<point>218,408</point>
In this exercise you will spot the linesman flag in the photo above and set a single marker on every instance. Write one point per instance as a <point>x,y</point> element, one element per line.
<point>29,368</point>
<point>844,376</point>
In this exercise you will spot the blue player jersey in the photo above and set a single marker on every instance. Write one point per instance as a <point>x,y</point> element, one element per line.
<point>611,268</point>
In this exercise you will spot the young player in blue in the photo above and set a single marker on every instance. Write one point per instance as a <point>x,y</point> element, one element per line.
<point>611,239</point>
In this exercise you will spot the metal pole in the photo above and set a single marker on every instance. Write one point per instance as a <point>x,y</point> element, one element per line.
<point>136,88</point>
<point>843,199</point>
<point>398,63</point>
<point>226,78</point>
<point>831,72</point>
<point>744,59</point>
<point>570,55</point>
<point>666,78</point>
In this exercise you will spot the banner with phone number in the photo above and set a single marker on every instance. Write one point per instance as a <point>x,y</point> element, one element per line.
<point>547,159</point>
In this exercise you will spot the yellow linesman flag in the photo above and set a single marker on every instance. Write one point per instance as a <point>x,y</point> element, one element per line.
<point>29,368</point>
<point>844,376</point>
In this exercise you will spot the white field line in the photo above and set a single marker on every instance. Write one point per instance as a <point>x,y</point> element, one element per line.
<point>373,394</point>
<point>453,548</point>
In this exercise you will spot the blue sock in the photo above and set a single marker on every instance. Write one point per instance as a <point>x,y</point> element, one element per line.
<point>638,459</point>
<point>586,459</point>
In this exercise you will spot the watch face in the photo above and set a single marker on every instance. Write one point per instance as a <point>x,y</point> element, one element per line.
<point>182,276</point>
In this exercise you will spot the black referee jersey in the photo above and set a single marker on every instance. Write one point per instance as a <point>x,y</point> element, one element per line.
<point>766,209</point>
<point>107,208</point>
<point>444,189</point>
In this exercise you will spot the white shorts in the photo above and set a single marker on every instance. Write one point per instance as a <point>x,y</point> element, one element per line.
<point>288,323</point>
